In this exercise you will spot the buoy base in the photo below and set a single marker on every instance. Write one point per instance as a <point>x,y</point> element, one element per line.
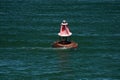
<point>65,44</point>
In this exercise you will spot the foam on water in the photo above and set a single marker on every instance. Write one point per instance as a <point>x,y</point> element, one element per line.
<point>33,48</point>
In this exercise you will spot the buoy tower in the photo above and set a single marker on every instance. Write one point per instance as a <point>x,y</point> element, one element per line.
<point>64,37</point>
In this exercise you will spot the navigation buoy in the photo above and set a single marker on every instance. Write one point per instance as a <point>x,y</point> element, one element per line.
<point>64,35</point>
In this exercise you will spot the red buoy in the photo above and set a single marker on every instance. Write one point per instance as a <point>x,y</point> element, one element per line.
<point>65,37</point>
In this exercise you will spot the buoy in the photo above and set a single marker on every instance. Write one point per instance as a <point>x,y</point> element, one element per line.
<point>64,35</point>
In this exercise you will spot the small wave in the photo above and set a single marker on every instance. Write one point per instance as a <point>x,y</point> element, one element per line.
<point>88,34</point>
<point>97,79</point>
<point>32,48</point>
<point>107,35</point>
<point>2,13</point>
<point>48,14</point>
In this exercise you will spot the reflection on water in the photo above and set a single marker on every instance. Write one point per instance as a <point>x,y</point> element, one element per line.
<point>64,63</point>
<point>64,60</point>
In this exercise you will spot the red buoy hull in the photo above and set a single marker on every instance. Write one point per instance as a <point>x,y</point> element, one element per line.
<point>65,44</point>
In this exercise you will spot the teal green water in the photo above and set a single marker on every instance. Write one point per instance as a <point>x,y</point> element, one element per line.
<point>29,27</point>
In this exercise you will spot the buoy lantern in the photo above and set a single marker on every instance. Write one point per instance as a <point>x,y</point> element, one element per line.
<point>64,35</point>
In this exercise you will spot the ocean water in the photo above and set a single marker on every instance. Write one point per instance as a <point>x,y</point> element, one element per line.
<point>29,27</point>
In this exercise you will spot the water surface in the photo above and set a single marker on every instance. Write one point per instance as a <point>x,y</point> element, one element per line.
<point>29,27</point>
